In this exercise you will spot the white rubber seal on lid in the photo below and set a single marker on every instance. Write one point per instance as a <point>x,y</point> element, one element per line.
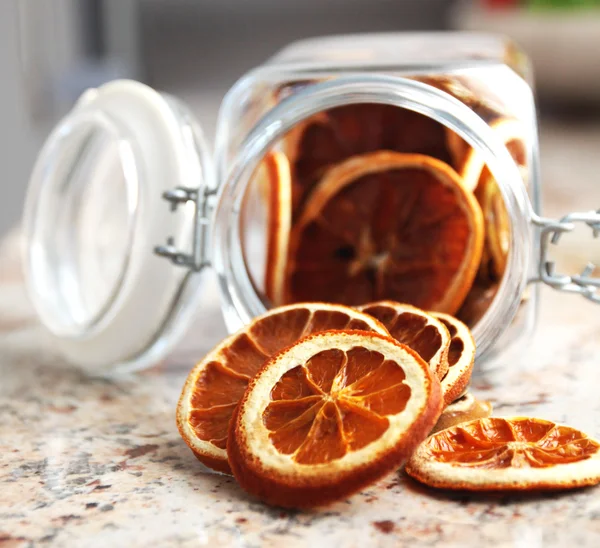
<point>93,215</point>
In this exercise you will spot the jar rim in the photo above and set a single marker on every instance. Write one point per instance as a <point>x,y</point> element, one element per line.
<point>239,299</point>
<point>84,209</point>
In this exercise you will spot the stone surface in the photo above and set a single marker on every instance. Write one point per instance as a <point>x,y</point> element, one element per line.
<point>96,462</point>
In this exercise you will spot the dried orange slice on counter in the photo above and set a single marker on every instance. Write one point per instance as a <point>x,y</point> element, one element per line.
<point>461,357</point>
<point>216,384</point>
<point>279,213</point>
<point>332,136</point>
<point>464,409</point>
<point>330,415</point>
<point>387,225</point>
<point>411,326</point>
<point>516,454</point>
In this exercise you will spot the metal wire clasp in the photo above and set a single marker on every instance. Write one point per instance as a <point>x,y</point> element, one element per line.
<point>584,284</point>
<point>197,259</point>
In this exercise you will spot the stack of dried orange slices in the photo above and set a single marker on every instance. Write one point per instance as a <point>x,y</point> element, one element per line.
<point>370,202</point>
<point>312,402</point>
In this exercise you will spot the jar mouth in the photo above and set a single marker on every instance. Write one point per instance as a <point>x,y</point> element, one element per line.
<point>240,299</point>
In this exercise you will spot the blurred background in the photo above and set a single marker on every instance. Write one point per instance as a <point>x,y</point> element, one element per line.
<point>51,51</point>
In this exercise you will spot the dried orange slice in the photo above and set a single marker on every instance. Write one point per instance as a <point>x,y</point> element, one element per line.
<point>387,225</point>
<point>477,177</point>
<point>464,409</point>
<point>332,136</point>
<point>461,357</point>
<point>411,326</point>
<point>478,301</point>
<point>216,384</point>
<point>512,134</point>
<point>330,415</point>
<point>497,236</point>
<point>279,222</point>
<point>516,454</point>
<point>479,98</point>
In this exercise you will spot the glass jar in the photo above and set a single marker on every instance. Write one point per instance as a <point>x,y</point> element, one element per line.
<point>125,210</point>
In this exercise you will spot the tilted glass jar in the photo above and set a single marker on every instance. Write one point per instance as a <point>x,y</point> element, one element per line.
<point>114,274</point>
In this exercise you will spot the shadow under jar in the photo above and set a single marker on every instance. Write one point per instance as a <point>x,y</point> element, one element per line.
<point>346,169</point>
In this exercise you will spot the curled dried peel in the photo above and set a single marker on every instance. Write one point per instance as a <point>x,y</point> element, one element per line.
<point>329,415</point>
<point>518,454</point>
<point>216,384</point>
<point>461,357</point>
<point>387,225</point>
<point>411,326</point>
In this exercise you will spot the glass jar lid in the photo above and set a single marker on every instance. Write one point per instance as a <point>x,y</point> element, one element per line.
<point>95,211</point>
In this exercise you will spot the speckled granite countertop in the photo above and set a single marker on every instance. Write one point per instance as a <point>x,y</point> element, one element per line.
<point>87,462</point>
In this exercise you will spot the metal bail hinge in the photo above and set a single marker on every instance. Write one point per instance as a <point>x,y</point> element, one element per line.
<point>585,283</point>
<point>197,259</point>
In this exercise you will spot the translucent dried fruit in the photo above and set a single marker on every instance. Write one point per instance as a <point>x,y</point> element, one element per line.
<point>330,415</point>
<point>216,384</point>
<point>516,454</point>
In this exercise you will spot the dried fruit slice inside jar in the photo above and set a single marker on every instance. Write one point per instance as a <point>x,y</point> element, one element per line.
<point>464,409</point>
<point>330,137</point>
<point>461,357</point>
<point>279,211</point>
<point>496,219</point>
<point>479,299</point>
<point>330,415</point>
<point>497,222</point>
<point>515,454</point>
<point>411,326</point>
<point>510,132</point>
<point>391,226</point>
<point>479,97</point>
<point>478,177</point>
<point>216,384</point>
